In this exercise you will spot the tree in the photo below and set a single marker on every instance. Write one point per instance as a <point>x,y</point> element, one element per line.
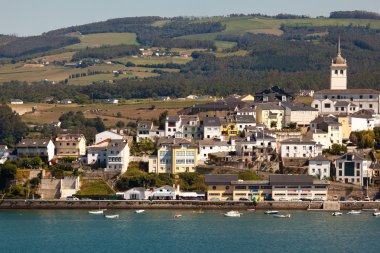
<point>162,119</point>
<point>12,129</point>
<point>36,162</point>
<point>337,149</point>
<point>120,124</point>
<point>7,172</point>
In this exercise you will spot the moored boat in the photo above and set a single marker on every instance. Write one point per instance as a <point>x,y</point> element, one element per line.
<point>139,211</point>
<point>251,210</point>
<point>114,216</point>
<point>376,214</point>
<point>336,213</point>
<point>281,215</point>
<point>232,214</point>
<point>178,216</point>
<point>355,212</point>
<point>96,212</point>
<point>370,209</point>
<point>271,212</point>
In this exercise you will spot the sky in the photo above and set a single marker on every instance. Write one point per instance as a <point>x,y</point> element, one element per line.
<point>33,17</point>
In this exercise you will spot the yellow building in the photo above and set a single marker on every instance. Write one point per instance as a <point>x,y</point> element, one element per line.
<point>229,127</point>
<point>346,127</point>
<point>174,156</point>
<point>70,145</point>
<point>271,115</point>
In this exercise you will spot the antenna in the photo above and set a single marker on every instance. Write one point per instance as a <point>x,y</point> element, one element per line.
<point>338,47</point>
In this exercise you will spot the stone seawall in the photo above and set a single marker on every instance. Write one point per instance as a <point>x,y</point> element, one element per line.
<point>116,204</point>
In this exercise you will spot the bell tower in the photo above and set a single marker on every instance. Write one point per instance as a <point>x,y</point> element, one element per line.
<point>338,71</point>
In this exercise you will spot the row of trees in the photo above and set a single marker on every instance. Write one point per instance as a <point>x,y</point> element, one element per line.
<point>355,14</point>
<point>12,129</point>
<point>107,52</point>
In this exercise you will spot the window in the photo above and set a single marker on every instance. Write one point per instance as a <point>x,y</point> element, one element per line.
<point>341,71</point>
<point>327,105</point>
<point>336,72</point>
<point>316,106</point>
<point>227,187</point>
<point>361,96</point>
<point>358,173</point>
<point>214,187</point>
<point>370,105</point>
<point>370,96</point>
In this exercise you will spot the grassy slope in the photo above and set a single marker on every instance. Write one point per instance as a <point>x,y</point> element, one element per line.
<point>130,110</point>
<point>95,187</point>
<point>101,39</point>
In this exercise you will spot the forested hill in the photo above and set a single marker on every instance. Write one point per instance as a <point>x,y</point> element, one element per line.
<point>290,51</point>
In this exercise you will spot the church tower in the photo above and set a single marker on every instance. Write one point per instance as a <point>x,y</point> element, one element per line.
<point>338,71</point>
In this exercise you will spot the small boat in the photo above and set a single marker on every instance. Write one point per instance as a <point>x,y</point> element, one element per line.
<point>139,211</point>
<point>376,214</point>
<point>198,211</point>
<point>178,216</point>
<point>281,215</point>
<point>370,209</point>
<point>232,214</point>
<point>115,216</point>
<point>271,212</point>
<point>336,213</point>
<point>251,210</point>
<point>96,212</point>
<point>354,212</point>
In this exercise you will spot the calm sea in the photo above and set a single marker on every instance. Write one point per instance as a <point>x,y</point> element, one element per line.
<point>55,231</point>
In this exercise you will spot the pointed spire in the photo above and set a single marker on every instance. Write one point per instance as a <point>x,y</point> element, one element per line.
<point>338,47</point>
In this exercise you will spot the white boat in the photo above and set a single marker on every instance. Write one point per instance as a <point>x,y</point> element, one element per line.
<point>232,214</point>
<point>139,211</point>
<point>271,212</point>
<point>251,210</point>
<point>115,216</point>
<point>178,216</point>
<point>336,213</point>
<point>354,212</point>
<point>96,212</point>
<point>281,215</point>
<point>376,214</point>
<point>370,209</point>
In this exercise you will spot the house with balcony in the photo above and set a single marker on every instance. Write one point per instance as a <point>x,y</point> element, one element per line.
<point>331,126</point>
<point>300,148</point>
<point>319,167</point>
<point>70,145</point>
<point>117,156</point>
<point>43,148</point>
<point>353,168</point>
<point>270,114</point>
<point>174,156</point>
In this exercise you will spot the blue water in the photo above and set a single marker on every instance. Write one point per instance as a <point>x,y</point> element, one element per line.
<point>56,231</point>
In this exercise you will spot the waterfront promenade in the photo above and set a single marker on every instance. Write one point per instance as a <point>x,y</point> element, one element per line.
<point>173,204</point>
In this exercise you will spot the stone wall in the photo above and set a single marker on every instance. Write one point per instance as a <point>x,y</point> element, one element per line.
<point>106,204</point>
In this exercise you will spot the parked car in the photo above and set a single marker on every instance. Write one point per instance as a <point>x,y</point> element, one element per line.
<point>243,199</point>
<point>214,199</point>
<point>72,198</point>
<point>282,199</point>
<point>342,199</point>
<point>317,199</point>
<point>296,200</point>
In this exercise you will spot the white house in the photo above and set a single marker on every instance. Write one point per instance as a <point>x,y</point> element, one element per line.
<point>353,168</point>
<point>43,148</point>
<point>164,193</point>
<point>298,148</point>
<point>362,120</point>
<point>320,167</point>
<point>117,156</point>
<point>211,127</point>
<point>97,154</point>
<point>244,121</point>
<point>112,101</point>
<point>16,102</point>
<point>137,193</point>
<point>207,147</point>
<point>107,135</point>
<point>3,153</point>
<point>300,114</point>
<point>146,129</point>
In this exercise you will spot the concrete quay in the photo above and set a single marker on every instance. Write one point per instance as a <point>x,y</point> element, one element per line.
<point>173,204</point>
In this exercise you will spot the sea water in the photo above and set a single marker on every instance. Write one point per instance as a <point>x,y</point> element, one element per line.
<point>55,231</point>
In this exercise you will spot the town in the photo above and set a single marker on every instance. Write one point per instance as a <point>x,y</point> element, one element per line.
<point>267,146</point>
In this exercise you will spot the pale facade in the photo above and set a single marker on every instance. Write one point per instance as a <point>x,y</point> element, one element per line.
<point>271,115</point>
<point>353,168</point>
<point>70,145</point>
<point>320,167</point>
<point>296,148</point>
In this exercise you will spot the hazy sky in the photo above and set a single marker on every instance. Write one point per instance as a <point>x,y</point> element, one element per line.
<point>29,17</point>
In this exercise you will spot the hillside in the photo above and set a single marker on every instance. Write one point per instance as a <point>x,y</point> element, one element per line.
<point>181,56</point>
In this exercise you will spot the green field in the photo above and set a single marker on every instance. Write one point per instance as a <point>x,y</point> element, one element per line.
<point>153,60</point>
<point>241,25</point>
<point>95,187</point>
<point>102,39</point>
